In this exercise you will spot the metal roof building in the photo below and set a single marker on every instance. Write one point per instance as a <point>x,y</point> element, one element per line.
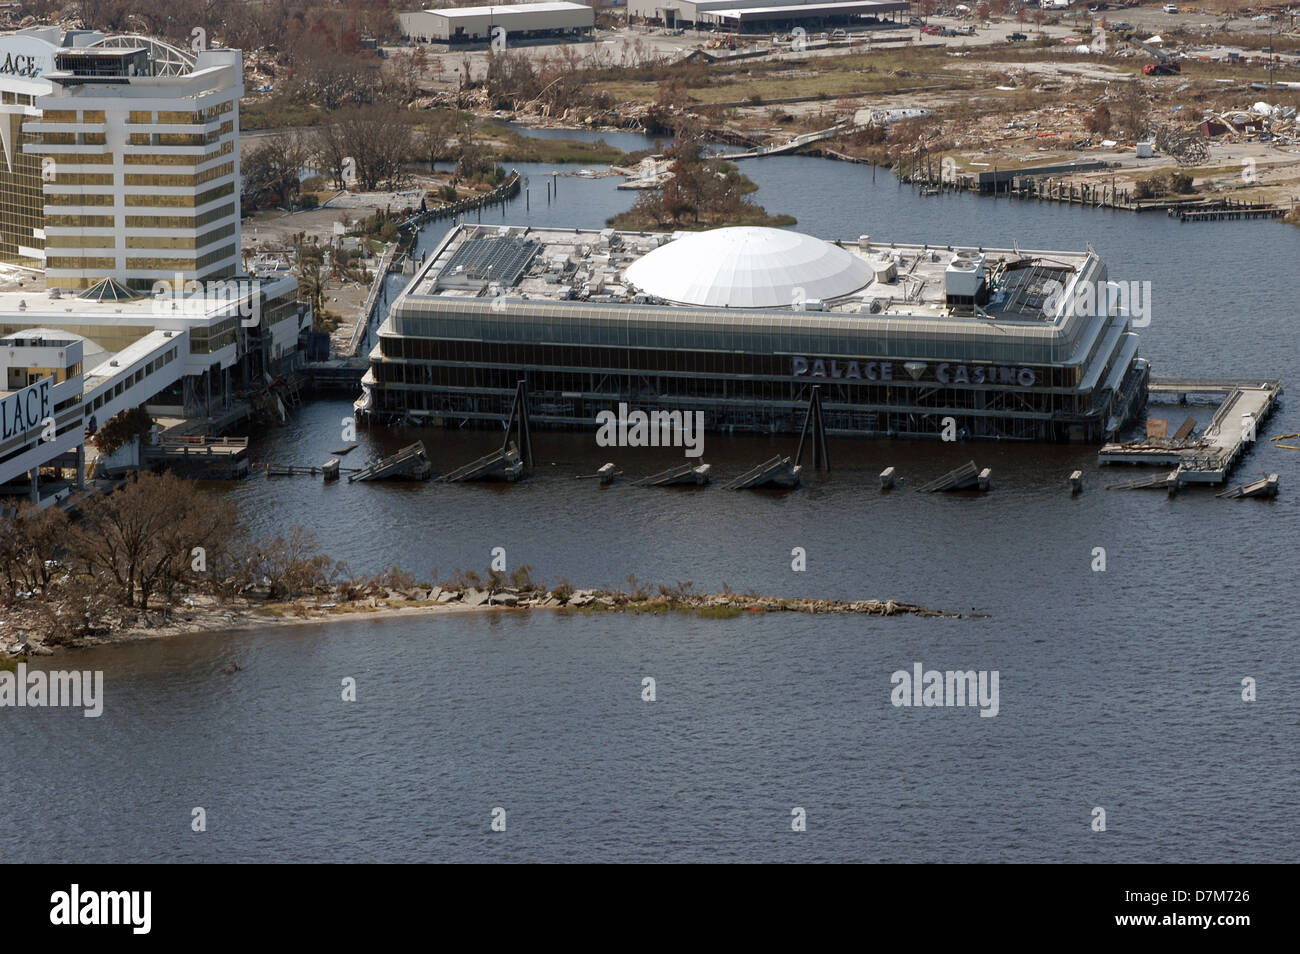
<point>764,14</point>
<point>469,24</point>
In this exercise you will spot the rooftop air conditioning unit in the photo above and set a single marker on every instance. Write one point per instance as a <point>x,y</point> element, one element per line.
<point>965,280</point>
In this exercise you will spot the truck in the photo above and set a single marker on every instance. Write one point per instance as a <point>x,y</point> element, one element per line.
<point>1165,65</point>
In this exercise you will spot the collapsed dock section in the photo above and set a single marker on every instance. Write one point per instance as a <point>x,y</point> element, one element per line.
<point>1209,456</point>
<point>906,341</point>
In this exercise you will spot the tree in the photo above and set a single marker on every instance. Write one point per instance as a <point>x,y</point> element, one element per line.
<point>291,565</point>
<point>1099,120</point>
<point>1133,113</point>
<point>272,168</point>
<point>311,281</point>
<point>29,541</point>
<point>441,128</point>
<point>122,428</point>
<point>328,147</point>
<point>380,141</point>
<point>150,535</point>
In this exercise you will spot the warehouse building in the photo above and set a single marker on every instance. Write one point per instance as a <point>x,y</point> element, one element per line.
<point>475,24</point>
<point>766,16</point>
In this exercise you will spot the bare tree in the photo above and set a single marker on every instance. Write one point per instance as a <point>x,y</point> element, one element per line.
<point>272,168</point>
<point>150,536</point>
<point>380,140</point>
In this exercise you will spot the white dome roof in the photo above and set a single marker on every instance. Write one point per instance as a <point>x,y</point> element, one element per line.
<point>748,267</point>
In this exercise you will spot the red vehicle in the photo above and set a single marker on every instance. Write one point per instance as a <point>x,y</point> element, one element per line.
<point>931,30</point>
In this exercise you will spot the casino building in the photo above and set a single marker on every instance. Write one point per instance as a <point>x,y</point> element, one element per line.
<point>120,158</point>
<point>739,322</point>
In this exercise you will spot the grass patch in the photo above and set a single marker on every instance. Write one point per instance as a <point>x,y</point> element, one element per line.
<point>276,112</point>
<point>516,147</point>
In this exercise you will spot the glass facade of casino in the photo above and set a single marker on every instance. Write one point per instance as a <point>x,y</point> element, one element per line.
<point>21,203</point>
<point>456,361</point>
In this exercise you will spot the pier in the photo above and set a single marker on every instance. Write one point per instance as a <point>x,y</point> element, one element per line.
<point>966,477</point>
<point>1264,487</point>
<point>514,457</point>
<point>502,464</point>
<point>780,472</point>
<point>679,476</point>
<point>1208,459</point>
<point>409,463</point>
<point>215,458</point>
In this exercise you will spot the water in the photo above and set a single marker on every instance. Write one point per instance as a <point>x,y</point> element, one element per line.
<point>1119,689</point>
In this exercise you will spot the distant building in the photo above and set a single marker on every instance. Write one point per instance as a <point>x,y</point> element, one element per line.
<point>764,16</point>
<point>475,24</point>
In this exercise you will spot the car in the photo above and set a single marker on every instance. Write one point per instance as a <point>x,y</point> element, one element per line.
<point>931,30</point>
<point>1017,37</point>
<point>1170,8</point>
<point>838,34</point>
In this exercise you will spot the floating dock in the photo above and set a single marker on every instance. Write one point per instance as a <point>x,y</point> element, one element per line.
<point>966,477</point>
<point>409,463</point>
<point>514,456</point>
<point>1264,487</point>
<point>1207,459</point>
<point>681,475</point>
<point>502,464</point>
<point>780,472</point>
<point>1169,482</point>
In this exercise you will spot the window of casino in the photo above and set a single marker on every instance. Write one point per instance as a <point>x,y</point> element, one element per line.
<point>175,201</point>
<point>79,221</point>
<point>80,241</point>
<point>83,178</point>
<point>85,198</point>
<point>55,261</point>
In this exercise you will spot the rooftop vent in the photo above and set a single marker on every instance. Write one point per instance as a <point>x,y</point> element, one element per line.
<point>965,280</point>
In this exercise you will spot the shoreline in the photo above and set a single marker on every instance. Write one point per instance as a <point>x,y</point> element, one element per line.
<point>210,616</point>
